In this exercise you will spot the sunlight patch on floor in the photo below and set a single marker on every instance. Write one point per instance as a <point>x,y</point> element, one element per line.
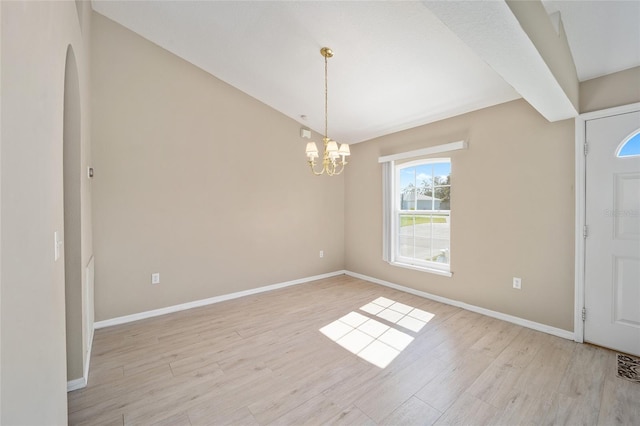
<point>398,313</point>
<point>372,340</point>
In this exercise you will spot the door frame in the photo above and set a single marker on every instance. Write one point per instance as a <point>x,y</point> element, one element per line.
<point>580,206</point>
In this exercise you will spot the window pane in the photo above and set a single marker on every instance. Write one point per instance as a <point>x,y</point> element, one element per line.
<point>441,242</point>
<point>406,240</point>
<point>631,147</point>
<point>407,188</point>
<point>425,237</point>
<point>442,185</point>
<point>425,187</point>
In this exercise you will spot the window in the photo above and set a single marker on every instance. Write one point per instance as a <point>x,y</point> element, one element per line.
<point>422,221</point>
<point>416,200</point>
<point>630,147</point>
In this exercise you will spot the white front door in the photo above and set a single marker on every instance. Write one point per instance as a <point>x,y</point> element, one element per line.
<point>612,246</point>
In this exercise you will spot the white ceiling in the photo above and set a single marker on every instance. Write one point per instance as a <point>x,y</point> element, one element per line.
<point>604,36</point>
<point>396,65</point>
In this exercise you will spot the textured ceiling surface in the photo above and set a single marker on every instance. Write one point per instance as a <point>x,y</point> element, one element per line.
<point>604,36</point>
<point>396,65</point>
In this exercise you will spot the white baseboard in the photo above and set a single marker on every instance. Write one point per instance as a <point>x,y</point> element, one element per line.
<point>494,314</point>
<point>203,302</point>
<point>82,381</point>
<point>76,384</point>
<point>86,366</point>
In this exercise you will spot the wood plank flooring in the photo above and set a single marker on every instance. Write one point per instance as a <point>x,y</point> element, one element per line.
<point>261,360</point>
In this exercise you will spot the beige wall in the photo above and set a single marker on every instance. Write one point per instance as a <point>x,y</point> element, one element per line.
<point>620,88</point>
<point>35,38</point>
<point>512,212</point>
<point>197,181</point>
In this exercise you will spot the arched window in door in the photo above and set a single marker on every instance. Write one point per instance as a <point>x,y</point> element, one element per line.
<point>630,146</point>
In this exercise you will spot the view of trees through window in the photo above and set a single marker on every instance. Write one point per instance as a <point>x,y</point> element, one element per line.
<point>423,227</point>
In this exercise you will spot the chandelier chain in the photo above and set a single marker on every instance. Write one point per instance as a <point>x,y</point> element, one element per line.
<point>326,97</point>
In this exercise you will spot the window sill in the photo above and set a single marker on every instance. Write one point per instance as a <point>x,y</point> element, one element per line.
<point>423,269</point>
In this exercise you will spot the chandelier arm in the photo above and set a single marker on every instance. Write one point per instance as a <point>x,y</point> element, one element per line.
<point>312,166</point>
<point>342,164</point>
<point>331,168</point>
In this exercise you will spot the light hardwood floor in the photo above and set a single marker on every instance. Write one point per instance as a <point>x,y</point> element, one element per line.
<point>262,360</point>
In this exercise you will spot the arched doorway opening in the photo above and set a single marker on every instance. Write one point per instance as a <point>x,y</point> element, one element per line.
<point>72,218</point>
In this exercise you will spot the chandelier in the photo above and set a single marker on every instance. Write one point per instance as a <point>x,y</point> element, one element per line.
<point>333,158</point>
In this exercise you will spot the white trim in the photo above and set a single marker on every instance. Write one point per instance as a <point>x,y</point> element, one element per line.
<point>499,315</point>
<point>443,272</point>
<point>86,366</point>
<point>76,384</point>
<point>447,147</point>
<point>580,199</point>
<point>421,161</point>
<point>388,221</point>
<point>392,216</point>
<point>82,381</point>
<point>203,302</point>
<point>624,109</point>
<point>578,324</point>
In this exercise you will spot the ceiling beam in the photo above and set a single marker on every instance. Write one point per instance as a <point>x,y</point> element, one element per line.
<point>518,40</point>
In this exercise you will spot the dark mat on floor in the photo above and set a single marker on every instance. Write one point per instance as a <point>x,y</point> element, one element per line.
<point>629,367</point>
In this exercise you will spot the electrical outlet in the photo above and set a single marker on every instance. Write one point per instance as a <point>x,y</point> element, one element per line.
<point>321,253</point>
<point>155,278</point>
<point>517,283</point>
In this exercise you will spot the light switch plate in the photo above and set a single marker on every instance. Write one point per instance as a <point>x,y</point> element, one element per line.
<point>57,246</point>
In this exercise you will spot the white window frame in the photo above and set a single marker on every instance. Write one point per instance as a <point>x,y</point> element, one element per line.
<point>398,212</point>
<point>391,210</point>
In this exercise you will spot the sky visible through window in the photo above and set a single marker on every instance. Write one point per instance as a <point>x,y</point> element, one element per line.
<point>631,148</point>
<point>425,172</point>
